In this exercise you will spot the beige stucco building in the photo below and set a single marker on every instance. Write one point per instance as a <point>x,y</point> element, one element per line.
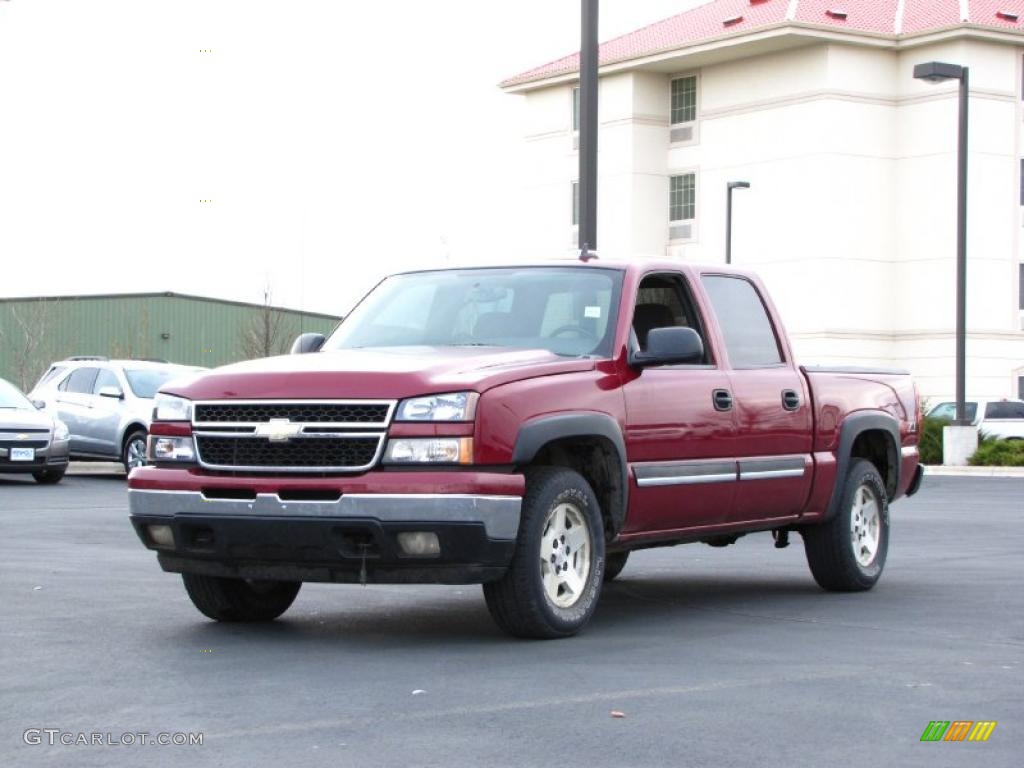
<point>850,217</point>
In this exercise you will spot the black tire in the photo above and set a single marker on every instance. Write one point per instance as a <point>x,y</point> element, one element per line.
<point>133,438</point>
<point>49,476</point>
<point>239,600</point>
<point>830,548</point>
<point>614,562</point>
<point>518,601</point>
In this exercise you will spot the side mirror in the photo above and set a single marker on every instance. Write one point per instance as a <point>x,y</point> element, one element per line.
<point>670,346</point>
<point>113,392</point>
<point>308,342</point>
<point>40,405</point>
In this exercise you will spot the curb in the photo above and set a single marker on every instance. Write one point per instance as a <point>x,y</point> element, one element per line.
<point>940,471</point>
<point>95,468</point>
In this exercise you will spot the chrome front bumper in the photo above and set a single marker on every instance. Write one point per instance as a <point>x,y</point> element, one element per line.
<point>498,514</point>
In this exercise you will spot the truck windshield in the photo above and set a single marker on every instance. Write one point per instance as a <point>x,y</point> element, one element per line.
<point>568,311</point>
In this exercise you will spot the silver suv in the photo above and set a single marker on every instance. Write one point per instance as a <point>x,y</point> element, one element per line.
<point>106,404</point>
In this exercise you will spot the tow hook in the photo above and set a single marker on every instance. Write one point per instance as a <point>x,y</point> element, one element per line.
<point>781,536</point>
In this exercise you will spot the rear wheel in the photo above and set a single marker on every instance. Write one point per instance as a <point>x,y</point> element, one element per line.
<point>49,476</point>
<point>553,584</point>
<point>239,600</point>
<point>134,452</point>
<point>614,562</point>
<point>847,553</point>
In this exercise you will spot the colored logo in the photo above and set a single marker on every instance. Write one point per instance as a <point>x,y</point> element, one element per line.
<point>958,730</point>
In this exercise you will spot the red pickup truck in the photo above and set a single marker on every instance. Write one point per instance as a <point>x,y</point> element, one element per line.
<point>526,428</point>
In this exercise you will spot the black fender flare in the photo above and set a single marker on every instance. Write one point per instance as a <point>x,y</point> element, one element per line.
<point>536,433</point>
<point>852,427</point>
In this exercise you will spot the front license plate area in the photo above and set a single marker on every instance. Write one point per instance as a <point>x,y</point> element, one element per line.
<point>23,454</point>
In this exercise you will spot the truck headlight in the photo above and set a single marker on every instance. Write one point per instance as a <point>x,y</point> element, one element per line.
<point>60,430</point>
<point>171,408</point>
<point>429,450</point>
<point>171,448</point>
<point>455,406</point>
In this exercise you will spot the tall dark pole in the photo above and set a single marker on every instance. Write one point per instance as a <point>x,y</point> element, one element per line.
<point>937,72</point>
<point>588,128</point>
<point>961,255</point>
<point>728,215</point>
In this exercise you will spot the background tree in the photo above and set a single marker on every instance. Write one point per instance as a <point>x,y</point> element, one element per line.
<point>28,337</point>
<point>268,331</point>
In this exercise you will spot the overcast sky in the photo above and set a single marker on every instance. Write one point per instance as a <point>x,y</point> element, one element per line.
<point>335,141</point>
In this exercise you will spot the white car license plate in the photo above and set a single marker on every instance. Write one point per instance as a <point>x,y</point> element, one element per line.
<point>23,454</point>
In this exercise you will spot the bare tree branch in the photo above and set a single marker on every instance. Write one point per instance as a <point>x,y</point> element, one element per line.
<point>33,321</point>
<point>267,332</point>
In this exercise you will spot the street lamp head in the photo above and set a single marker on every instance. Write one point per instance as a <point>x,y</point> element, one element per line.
<point>937,71</point>
<point>739,185</point>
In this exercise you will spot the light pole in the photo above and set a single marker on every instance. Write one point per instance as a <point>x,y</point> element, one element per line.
<point>937,72</point>
<point>728,215</point>
<point>588,129</point>
<point>959,441</point>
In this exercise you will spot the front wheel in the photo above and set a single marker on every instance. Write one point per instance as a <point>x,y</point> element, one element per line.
<point>847,553</point>
<point>239,600</point>
<point>49,476</point>
<point>134,452</point>
<point>553,584</point>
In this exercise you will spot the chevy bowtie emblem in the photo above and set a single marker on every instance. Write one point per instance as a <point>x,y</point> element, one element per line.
<point>23,436</point>
<point>279,430</point>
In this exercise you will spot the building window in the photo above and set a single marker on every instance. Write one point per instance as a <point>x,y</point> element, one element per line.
<point>682,206</point>
<point>575,203</point>
<point>575,109</point>
<point>1020,287</point>
<point>684,100</point>
<point>682,200</point>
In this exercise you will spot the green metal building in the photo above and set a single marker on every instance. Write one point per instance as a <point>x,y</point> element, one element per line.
<point>176,327</point>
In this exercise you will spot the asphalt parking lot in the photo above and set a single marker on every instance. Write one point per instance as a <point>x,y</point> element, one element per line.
<point>729,657</point>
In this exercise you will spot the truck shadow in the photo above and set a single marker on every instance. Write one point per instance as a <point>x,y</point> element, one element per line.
<point>637,605</point>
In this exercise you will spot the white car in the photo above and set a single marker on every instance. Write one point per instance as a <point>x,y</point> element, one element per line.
<point>995,418</point>
<point>106,404</point>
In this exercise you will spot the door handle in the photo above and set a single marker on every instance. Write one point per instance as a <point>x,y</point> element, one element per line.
<point>722,399</point>
<point>790,399</point>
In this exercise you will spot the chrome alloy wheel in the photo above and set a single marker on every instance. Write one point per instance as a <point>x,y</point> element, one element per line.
<point>136,453</point>
<point>565,555</point>
<point>865,525</point>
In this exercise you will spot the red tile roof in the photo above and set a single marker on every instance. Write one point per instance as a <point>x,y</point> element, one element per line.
<point>707,22</point>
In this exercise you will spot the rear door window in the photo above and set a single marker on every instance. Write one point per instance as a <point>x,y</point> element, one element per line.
<point>81,380</point>
<point>1004,411</point>
<point>746,327</point>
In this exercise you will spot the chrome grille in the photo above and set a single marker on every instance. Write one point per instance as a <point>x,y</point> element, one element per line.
<point>369,414</point>
<point>312,453</point>
<point>334,413</point>
<point>291,435</point>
